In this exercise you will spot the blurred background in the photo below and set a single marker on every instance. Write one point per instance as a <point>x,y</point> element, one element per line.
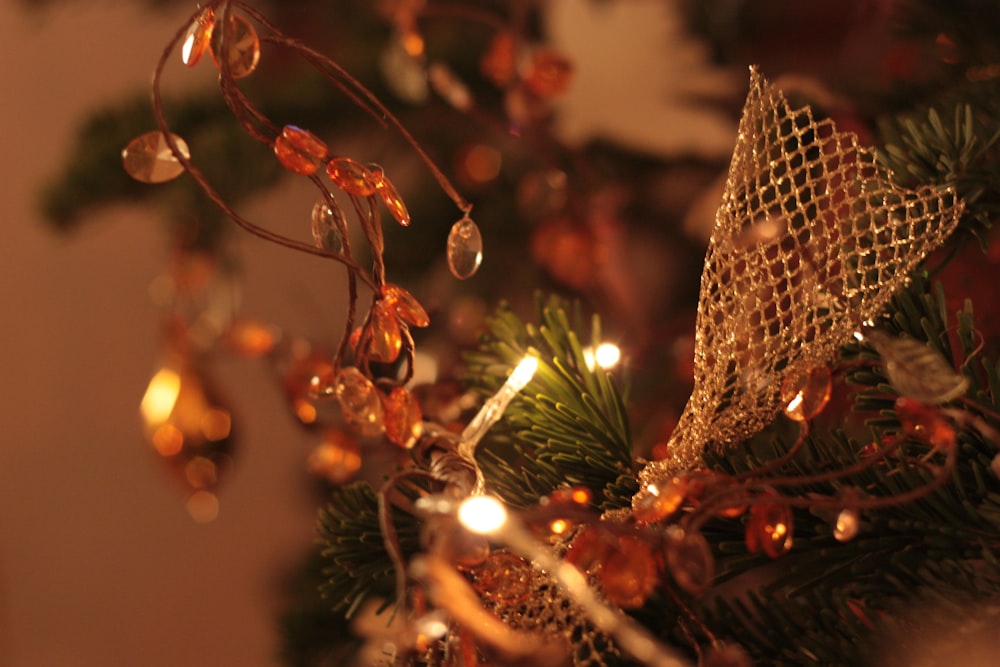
<point>607,191</point>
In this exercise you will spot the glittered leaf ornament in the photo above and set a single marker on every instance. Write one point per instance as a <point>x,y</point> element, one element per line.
<point>811,240</point>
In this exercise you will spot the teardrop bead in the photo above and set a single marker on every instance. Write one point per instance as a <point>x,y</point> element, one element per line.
<point>406,305</point>
<point>299,150</point>
<point>658,502</point>
<point>465,249</point>
<point>392,199</point>
<point>351,176</point>
<point>360,402</point>
<point>403,419</point>
<point>386,334</point>
<point>327,221</point>
<point>805,393</point>
<point>148,158</point>
<point>197,38</point>
<point>241,44</point>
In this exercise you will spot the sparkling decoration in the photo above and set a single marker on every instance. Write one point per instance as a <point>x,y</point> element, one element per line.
<point>337,458</point>
<point>503,577</point>
<point>658,502</point>
<point>769,528</point>
<point>917,370</point>
<point>465,249</point>
<point>405,305</point>
<point>299,150</point>
<point>403,419</point>
<point>393,201</point>
<point>811,240</point>
<point>197,38</point>
<point>351,176</point>
<point>241,47</point>
<point>386,334</point>
<point>327,221</point>
<point>926,423</point>
<point>148,158</point>
<point>360,401</point>
<point>805,393</point>
<point>690,561</point>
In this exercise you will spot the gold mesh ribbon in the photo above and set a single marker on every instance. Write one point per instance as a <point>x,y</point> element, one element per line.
<point>811,240</point>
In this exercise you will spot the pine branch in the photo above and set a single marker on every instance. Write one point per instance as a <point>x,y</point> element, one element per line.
<point>569,425</point>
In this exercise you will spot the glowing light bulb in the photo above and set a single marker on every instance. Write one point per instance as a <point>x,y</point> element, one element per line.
<point>482,515</point>
<point>522,373</point>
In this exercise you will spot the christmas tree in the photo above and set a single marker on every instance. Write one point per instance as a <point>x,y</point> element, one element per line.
<point>828,495</point>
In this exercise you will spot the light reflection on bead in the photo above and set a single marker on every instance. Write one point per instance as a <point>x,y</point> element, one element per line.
<point>805,393</point>
<point>351,176</point>
<point>769,528</point>
<point>197,38</point>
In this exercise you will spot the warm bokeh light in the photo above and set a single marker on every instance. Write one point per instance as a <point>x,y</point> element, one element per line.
<point>160,397</point>
<point>203,506</point>
<point>482,514</point>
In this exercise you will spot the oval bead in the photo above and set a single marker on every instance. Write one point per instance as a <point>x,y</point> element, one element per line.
<point>386,334</point>
<point>241,44</point>
<point>327,221</point>
<point>406,305</point>
<point>769,528</point>
<point>360,402</point>
<point>148,158</point>
<point>465,249</point>
<point>299,150</point>
<point>805,393</point>
<point>394,202</point>
<point>351,176</point>
<point>690,561</point>
<point>197,38</point>
<point>403,418</point>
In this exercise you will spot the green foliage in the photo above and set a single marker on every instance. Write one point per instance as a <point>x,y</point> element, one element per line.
<point>953,144</point>
<point>833,603</point>
<point>357,563</point>
<point>568,426</point>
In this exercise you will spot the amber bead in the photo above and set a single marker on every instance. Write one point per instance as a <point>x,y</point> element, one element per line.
<point>299,150</point>
<point>925,423</point>
<point>805,393</point>
<point>337,458</point>
<point>393,201</point>
<point>655,503</point>
<point>197,38</point>
<point>327,222</point>
<point>360,402</point>
<point>498,62</point>
<point>503,577</point>
<point>720,491</point>
<point>241,44</point>
<point>351,176</point>
<point>308,375</point>
<point>588,548</point>
<point>769,527</point>
<point>690,561</point>
<point>628,573</point>
<point>148,158</point>
<point>575,495</point>
<point>465,249</point>
<point>847,525</point>
<point>386,340</point>
<point>403,419</point>
<point>405,304</point>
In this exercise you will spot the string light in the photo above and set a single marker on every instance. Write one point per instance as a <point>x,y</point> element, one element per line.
<point>483,515</point>
<point>494,407</point>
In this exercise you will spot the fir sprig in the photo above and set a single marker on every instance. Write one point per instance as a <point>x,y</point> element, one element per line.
<point>569,425</point>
